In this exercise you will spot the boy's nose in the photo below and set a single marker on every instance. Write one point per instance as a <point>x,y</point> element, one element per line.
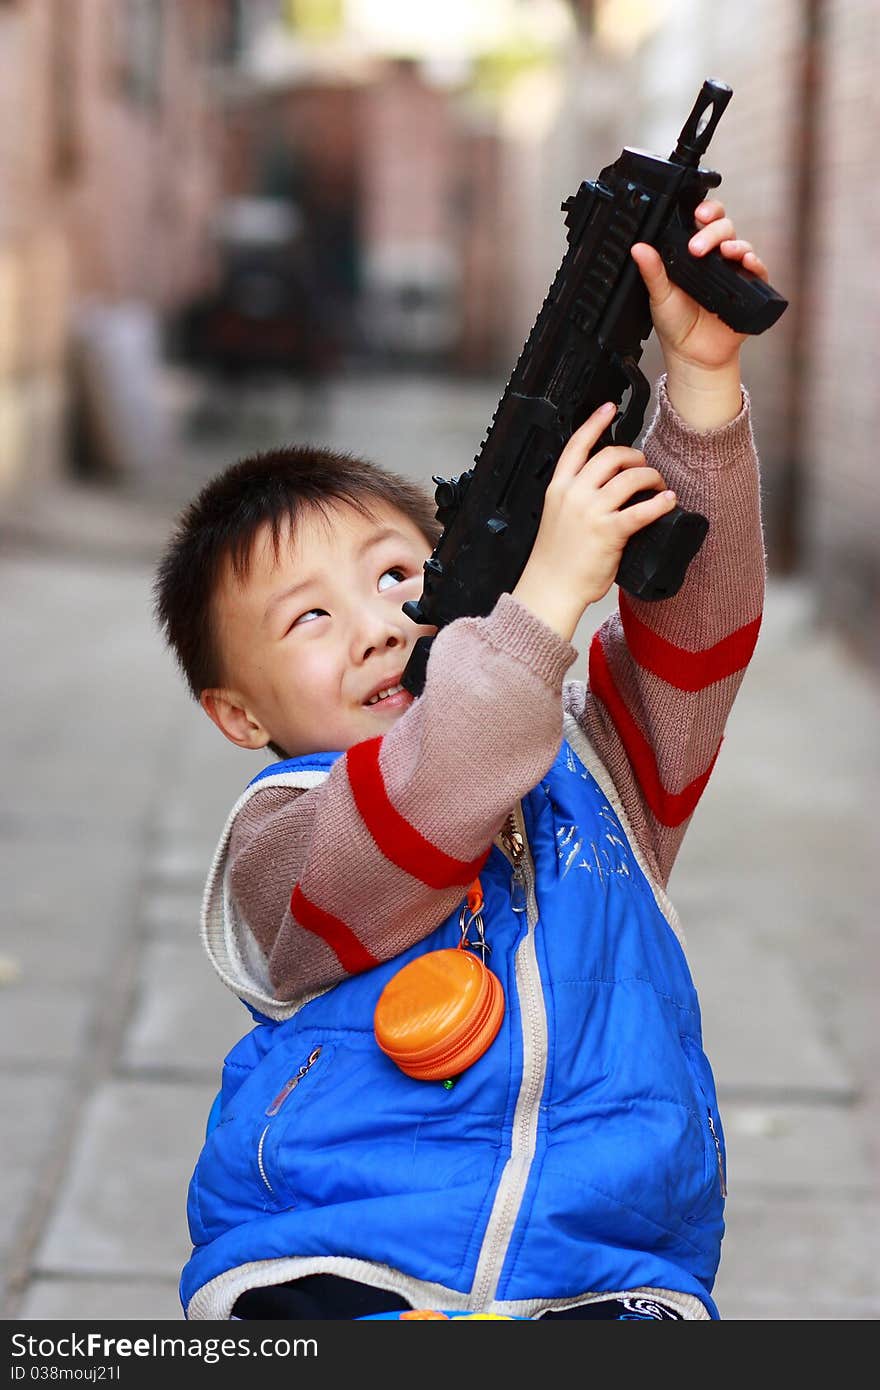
<point>391,639</point>
<point>378,632</point>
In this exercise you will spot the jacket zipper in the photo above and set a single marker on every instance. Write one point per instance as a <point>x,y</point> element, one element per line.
<point>721,1178</point>
<point>260,1160</point>
<point>447,1059</point>
<point>276,1105</point>
<point>515,1175</point>
<point>514,843</point>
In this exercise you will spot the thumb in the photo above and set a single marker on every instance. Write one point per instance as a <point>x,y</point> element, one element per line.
<point>652,271</point>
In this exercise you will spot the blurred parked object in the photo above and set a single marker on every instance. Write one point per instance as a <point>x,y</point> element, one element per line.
<point>412,304</point>
<point>264,316</point>
<point>120,428</point>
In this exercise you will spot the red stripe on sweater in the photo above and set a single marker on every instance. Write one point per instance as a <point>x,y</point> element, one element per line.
<point>679,667</point>
<point>351,953</point>
<point>395,837</point>
<point>670,808</point>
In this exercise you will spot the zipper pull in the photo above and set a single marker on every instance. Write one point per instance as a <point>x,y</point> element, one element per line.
<point>518,898</point>
<point>292,1084</point>
<point>515,845</point>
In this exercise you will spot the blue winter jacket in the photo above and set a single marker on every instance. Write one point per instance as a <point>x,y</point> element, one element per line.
<point>582,1154</point>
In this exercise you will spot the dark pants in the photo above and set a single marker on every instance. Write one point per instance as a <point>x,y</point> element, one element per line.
<point>328,1296</point>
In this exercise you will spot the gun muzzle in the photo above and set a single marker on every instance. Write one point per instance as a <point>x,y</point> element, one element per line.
<point>700,125</point>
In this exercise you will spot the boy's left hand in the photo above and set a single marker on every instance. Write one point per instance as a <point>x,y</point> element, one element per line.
<point>688,333</point>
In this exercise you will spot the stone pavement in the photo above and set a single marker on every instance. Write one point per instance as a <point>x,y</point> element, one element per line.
<point>115,788</point>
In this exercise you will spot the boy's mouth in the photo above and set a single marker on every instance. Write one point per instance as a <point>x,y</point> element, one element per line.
<point>386,693</point>
<point>389,696</point>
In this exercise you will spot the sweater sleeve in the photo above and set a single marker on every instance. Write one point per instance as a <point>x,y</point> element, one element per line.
<point>333,879</point>
<point>663,676</point>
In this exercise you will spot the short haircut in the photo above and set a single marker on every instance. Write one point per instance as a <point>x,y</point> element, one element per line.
<point>270,488</point>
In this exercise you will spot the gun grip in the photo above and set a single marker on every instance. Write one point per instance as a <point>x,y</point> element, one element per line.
<point>655,559</point>
<point>746,303</point>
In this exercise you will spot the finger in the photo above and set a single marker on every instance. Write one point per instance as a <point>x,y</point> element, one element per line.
<point>754,263</point>
<point>584,439</point>
<point>652,271</point>
<point>624,485</point>
<point>735,247</point>
<point>709,210</point>
<point>721,229</point>
<point>601,467</point>
<point>641,514</point>
<point>737,250</point>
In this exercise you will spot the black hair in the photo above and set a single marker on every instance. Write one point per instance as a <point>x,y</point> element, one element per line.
<point>219,526</point>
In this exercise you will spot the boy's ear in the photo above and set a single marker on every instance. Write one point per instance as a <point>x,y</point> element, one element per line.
<point>233,719</point>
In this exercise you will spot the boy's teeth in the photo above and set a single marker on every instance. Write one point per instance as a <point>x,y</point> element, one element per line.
<point>392,690</point>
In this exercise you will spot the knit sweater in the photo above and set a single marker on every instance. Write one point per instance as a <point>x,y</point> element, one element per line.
<point>330,880</point>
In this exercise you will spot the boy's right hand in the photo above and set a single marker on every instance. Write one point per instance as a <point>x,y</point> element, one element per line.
<point>580,540</point>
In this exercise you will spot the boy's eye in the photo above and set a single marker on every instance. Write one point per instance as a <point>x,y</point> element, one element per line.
<point>388,578</point>
<point>309,616</point>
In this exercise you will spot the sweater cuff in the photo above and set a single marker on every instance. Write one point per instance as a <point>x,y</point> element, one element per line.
<point>517,632</point>
<point>701,449</point>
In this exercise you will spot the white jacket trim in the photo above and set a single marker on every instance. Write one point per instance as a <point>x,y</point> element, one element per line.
<point>232,947</point>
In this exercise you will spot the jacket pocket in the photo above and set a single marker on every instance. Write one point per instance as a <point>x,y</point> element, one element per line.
<point>286,1100</point>
<point>710,1120</point>
<point>236,1177</point>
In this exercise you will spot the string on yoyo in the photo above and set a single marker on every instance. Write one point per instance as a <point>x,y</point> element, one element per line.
<point>471,917</point>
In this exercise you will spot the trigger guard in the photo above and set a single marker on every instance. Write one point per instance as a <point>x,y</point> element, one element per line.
<point>627,423</point>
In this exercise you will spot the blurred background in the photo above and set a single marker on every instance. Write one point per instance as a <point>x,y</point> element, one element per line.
<point>212,194</point>
<point>229,223</point>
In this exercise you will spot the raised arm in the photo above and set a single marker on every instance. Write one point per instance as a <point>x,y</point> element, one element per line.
<point>663,676</point>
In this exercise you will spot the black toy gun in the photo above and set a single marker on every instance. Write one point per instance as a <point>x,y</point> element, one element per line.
<point>584,350</point>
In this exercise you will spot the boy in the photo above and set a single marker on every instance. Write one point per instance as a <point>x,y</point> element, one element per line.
<point>576,1169</point>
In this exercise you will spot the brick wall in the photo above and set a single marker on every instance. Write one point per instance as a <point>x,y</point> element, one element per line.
<point>841,423</point>
<point>35,268</point>
<point>107,183</point>
<point>409,233</point>
<point>484,286</point>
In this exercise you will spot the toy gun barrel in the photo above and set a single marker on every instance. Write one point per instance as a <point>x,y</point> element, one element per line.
<point>698,129</point>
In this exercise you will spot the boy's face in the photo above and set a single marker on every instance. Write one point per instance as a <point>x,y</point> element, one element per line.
<point>311,636</point>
